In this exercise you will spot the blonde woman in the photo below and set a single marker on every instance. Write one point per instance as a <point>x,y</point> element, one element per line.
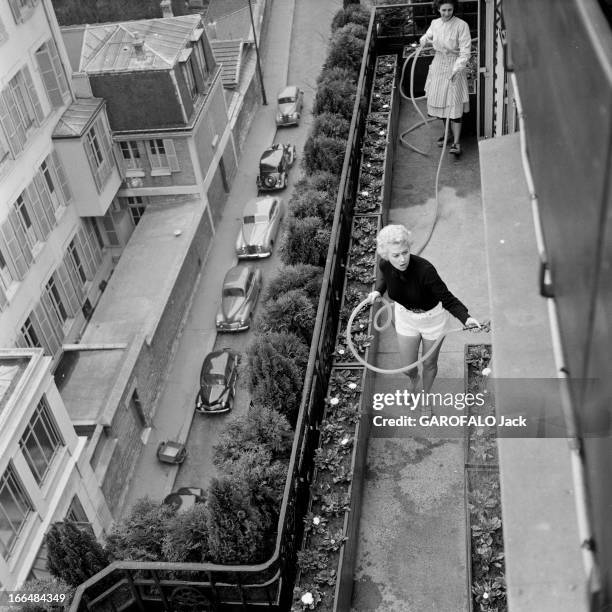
<point>423,303</point>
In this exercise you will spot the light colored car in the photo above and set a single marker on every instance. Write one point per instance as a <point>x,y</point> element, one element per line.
<point>261,218</point>
<point>239,295</point>
<point>289,103</point>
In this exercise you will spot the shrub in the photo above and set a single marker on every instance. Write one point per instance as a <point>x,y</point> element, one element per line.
<point>305,241</point>
<point>330,124</point>
<point>335,73</point>
<point>312,203</point>
<point>139,537</point>
<point>356,30</point>
<point>52,586</point>
<point>301,276</point>
<point>262,428</point>
<point>320,181</point>
<point>345,50</point>
<point>235,528</point>
<point>292,312</point>
<point>324,153</point>
<point>74,554</point>
<point>335,96</point>
<point>348,3</point>
<point>351,13</point>
<point>186,538</point>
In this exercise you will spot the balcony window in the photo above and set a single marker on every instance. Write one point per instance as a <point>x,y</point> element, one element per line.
<point>15,507</point>
<point>77,264</point>
<point>56,301</point>
<point>162,156</point>
<point>25,221</point>
<point>130,154</point>
<point>50,186</point>
<point>40,441</point>
<point>99,154</point>
<point>29,335</point>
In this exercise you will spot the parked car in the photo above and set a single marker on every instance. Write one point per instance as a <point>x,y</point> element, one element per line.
<point>171,452</point>
<point>184,498</point>
<point>238,298</point>
<point>261,218</point>
<point>218,378</point>
<point>274,167</point>
<point>289,104</point>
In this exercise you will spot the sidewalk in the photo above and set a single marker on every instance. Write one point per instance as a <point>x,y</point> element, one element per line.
<point>412,555</point>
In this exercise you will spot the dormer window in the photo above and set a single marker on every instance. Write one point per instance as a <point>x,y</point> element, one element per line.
<point>189,76</point>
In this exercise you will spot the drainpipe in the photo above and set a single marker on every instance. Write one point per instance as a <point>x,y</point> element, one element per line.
<point>574,441</point>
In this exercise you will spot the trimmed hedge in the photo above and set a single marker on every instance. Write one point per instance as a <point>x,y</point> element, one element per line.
<point>324,153</point>
<point>334,96</point>
<point>346,49</point>
<point>305,241</point>
<point>186,538</point>
<point>313,203</point>
<point>330,124</point>
<point>292,313</point>
<point>301,276</point>
<point>319,181</point>
<point>351,13</point>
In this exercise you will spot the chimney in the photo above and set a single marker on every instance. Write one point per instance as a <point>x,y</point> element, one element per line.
<point>138,45</point>
<point>166,7</point>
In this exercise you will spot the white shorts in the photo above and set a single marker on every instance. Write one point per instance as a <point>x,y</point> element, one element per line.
<point>430,325</point>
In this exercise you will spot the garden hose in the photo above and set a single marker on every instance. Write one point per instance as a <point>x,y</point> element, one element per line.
<point>378,326</point>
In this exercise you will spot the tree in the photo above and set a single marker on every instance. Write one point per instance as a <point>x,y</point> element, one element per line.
<point>305,241</point>
<point>351,13</point>
<point>53,586</point>
<point>140,536</point>
<point>345,50</point>
<point>301,276</point>
<point>74,554</point>
<point>236,531</point>
<point>330,124</point>
<point>313,203</point>
<point>262,428</point>
<point>186,538</point>
<point>292,312</point>
<point>324,153</point>
<point>335,96</point>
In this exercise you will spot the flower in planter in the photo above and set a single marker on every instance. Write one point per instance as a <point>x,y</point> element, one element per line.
<point>316,520</point>
<point>486,371</point>
<point>345,441</point>
<point>353,385</point>
<point>307,599</point>
<point>341,351</point>
<point>334,401</point>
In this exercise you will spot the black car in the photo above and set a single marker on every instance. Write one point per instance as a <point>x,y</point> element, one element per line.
<point>218,382</point>
<point>274,167</point>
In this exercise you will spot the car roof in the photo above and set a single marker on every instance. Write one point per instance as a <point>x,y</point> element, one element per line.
<point>215,362</point>
<point>290,91</point>
<point>272,156</point>
<point>258,206</point>
<point>237,277</point>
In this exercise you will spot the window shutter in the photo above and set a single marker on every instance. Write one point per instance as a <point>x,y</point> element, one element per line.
<point>11,123</point>
<point>93,243</point>
<point>17,243</point>
<point>59,68</point>
<point>45,331</point>
<point>75,279</point>
<point>12,253</point>
<point>153,159</point>
<point>121,162</point>
<point>48,74</point>
<point>173,162</point>
<point>56,164</point>
<point>45,198</point>
<point>20,341</point>
<point>3,300</point>
<point>71,301</point>
<point>55,321</point>
<point>86,254</point>
<point>38,111</point>
<point>16,10</point>
<point>41,225</point>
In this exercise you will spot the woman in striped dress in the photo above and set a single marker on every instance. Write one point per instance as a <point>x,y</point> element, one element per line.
<point>446,85</point>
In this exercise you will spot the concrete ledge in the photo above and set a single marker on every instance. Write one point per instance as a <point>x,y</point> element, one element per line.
<point>544,570</point>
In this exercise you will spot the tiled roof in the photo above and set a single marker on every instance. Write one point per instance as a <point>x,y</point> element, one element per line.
<point>228,53</point>
<point>77,117</point>
<point>111,47</point>
<point>219,8</point>
<point>231,26</point>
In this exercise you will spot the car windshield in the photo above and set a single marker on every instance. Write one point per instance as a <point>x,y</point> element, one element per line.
<point>214,379</point>
<point>250,219</point>
<point>286,100</point>
<point>233,292</point>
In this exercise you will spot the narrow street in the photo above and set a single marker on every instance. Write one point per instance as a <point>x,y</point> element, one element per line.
<point>291,53</point>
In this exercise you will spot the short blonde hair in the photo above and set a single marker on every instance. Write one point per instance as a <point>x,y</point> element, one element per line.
<point>391,235</point>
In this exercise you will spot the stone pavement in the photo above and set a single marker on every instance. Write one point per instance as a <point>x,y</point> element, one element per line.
<point>412,555</point>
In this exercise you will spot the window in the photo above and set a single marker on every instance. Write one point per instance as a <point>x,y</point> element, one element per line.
<point>40,441</point>
<point>6,278</point>
<point>29,335</point>
<point>4,147</point>
<point>56,300</point>
<point>77,515</point>
<point>99,154</point>
<point>162,156</point>
<point>23,95</point>
<point>130,154</point>
<point>25,221</point>
<point>200,57</point>
<point>22,9</point>
<point>158,153</point>
<point>15,508</point>
<point>46,172</point>
<point>189,76</point>
<point>52,72</point>
<point>76,261</point>
<point>136,207</point>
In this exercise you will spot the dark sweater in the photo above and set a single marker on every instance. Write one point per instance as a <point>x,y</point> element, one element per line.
<point>419,286</point>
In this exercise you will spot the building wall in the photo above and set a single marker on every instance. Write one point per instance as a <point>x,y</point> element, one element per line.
<point>65,477</point>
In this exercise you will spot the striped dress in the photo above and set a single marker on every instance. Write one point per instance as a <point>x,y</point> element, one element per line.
<point>452,42</point>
